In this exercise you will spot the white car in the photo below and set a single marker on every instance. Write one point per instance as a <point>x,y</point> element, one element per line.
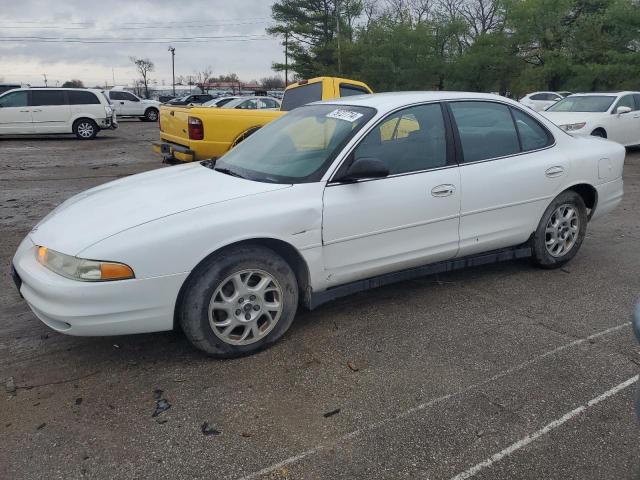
<point>253,103</point>
<point>28,111</point>
<point>331,198</point>
<point>615,116</point>
<point>126,104</point>
<point>539,101</point>
<point>219,102</point>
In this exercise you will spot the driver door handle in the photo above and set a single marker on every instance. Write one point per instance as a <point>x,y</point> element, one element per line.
<point>443,190</point>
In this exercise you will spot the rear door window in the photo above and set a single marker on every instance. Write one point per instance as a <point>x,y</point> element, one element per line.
<point>48,98</point>
<point>533,136</point>
<point>486,130</point>
<point>82,98</point>
<point>298,96</point>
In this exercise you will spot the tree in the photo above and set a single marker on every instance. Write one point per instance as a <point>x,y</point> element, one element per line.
<point>144,67</point>
<point>317,30</point>
<point>270,83</point>
<point>203,77</point>
<point>73,84</point>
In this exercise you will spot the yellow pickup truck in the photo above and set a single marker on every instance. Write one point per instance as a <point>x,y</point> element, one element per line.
<point>200,133</point>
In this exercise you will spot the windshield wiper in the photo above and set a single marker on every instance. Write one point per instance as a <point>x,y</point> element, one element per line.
<point>228,172</point>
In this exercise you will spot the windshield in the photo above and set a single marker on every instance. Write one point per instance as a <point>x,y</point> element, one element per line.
<point>298,147</point>
<point>233,103</point>
<point>586,103</point>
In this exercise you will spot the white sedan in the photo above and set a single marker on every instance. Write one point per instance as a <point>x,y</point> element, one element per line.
<point>615,116</point>
<point>332,198</point>
<point>539,101</point>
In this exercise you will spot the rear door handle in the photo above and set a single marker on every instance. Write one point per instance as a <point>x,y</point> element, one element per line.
<point>553,172</point>
<point>443,190</point>
<point>37,111</point>
<point>24,111</point>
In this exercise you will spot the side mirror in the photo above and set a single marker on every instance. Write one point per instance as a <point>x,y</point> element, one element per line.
<point>620,110</point>
<point>364,168</point>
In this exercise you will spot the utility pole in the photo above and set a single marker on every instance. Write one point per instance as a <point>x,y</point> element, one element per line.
<point>286,59</point>
<point>173,69</point>
<point>45,79</point>
<point>338,35</point>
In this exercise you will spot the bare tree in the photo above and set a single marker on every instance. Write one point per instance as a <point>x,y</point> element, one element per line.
<point>273,82</point>
<point>203,77</point>
<point>483,16</point>
<point>145,67</point>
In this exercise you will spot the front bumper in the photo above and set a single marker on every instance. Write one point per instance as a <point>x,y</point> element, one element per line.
<point>96,308</point>
<point>173,152</point>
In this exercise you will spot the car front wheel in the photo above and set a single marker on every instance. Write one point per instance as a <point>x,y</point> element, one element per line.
<point>239,301</point>
<point>561,231</point>
<point>151,115</point>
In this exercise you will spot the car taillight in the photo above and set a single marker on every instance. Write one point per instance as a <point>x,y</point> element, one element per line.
<point>196,129</point>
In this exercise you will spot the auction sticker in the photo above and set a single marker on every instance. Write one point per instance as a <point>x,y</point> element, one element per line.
<point>346,115</point>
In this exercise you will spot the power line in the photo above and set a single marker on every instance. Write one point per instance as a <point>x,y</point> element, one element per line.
<point>132,27</point>
<point>196,39</point>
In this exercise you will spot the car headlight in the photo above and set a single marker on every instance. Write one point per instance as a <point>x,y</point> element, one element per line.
<point>109,110</point>
<point>81,268</point>
<point>573,126</point>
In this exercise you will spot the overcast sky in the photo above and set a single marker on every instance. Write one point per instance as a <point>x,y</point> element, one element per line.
<point>240,44</point>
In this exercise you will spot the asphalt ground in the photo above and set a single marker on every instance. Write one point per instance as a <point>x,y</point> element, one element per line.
<point>496,372</point>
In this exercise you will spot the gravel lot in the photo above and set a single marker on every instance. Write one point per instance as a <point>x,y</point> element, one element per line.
<point>451,375</point>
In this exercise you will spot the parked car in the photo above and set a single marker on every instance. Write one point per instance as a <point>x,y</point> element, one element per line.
<point>539,101</point>
<point>636,329</point>
<point>329,199</point>
<point>253,103</point>
<point>615,116</point>
<point>165,98</point>
<point>126,104</point>
<point>188,134</point>
<point>564,93</point>
<point>219,102</point>
<point>5,87</point>
<point>27,111</point>
<point>196,99</point>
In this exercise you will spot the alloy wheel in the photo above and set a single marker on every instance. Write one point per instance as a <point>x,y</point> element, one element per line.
<point>562,230</point>
<point>85,130</point>
<point>245,307</point>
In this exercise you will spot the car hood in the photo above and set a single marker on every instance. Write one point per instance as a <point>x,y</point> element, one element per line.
<point>116,206</point>
<point>150,102</point>
<point>565,118</point>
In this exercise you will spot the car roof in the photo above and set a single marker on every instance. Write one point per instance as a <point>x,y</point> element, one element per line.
<point>607,94</point>
<point>392,100</point>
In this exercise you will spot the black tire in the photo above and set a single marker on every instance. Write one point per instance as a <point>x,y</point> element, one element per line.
<point>542,257</point>
<point>150,115</point>
<point>85,129</point>
<point>598,132</point>
<point>193,313</point>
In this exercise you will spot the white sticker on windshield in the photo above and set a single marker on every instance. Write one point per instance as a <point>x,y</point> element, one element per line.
<point>346,115</point>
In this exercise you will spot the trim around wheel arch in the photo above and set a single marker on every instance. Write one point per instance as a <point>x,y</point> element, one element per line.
<point>589,195</point>
<point>287,251</point>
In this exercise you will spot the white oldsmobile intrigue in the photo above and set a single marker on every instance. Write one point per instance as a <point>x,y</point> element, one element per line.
<point>332,198</point>
<point>615,116</point>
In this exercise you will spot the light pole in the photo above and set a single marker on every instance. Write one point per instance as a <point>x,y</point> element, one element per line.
<point>173,69</point>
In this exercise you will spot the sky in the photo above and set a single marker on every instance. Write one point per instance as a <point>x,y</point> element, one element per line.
<point>93,41</point>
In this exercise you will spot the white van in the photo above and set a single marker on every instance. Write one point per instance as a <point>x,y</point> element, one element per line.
<point>127,104</point>
<point>26,111</point>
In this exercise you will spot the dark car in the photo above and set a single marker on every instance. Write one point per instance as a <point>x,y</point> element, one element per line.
<point>196,98</point>
<point>165,98</point>
<point>5,87</point>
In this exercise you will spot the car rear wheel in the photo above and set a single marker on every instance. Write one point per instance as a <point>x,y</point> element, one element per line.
<point>239,302</point>
<point>561,231</point>
<point>85,129</point>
